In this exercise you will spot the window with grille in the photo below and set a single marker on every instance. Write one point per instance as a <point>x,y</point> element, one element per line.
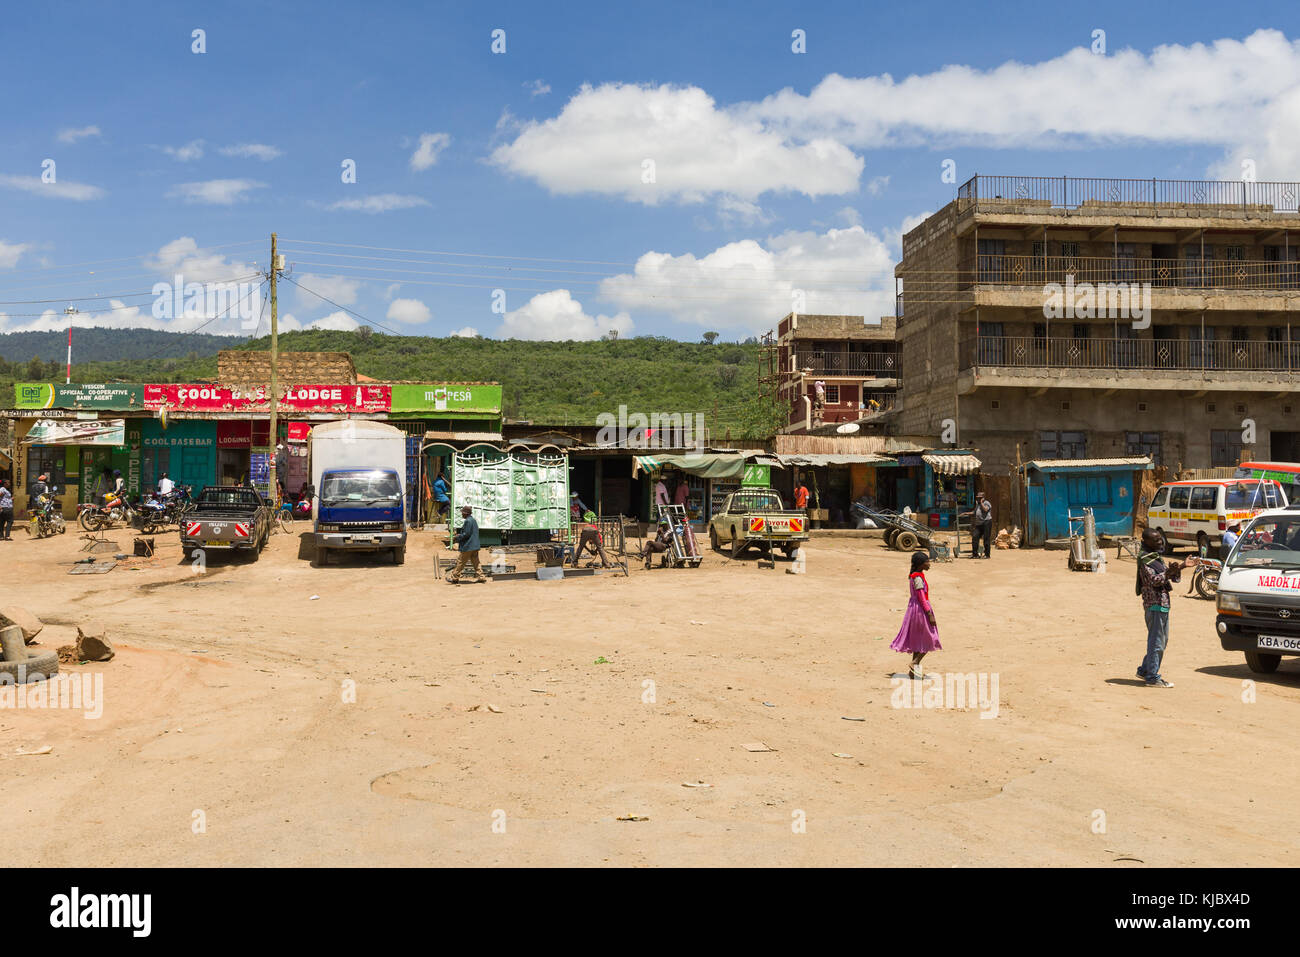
<point>1225,447</point>
<point>1143,443</point>
<point>1063,445</point>
<point>46,460</point>
<point>832,395</point>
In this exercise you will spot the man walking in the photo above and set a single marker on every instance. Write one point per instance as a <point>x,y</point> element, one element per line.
<point>983,527</point>
<point>467,542</point>
<point>6,512</point>
<point>1155,580</point>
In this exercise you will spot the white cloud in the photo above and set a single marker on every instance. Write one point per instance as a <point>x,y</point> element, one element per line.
<point>733,211</point>
<point>556,315</point>
<point>466,332</point>
<point>193,150</point>
<point>426,155</point>
<point>1238,94</point>
<point>379,203</point>
<point>877,185</point>
<point>603,138</point>
<point>259,151</point>
<point>849,216</point>
<point>58,190</point>
<point>338,321</point>
<point>748,285</point>
<point>338,288</point>
<point>72,135</point>
<point>11,252</point>
<point>537,87</point>
<point>215,192</point>
<point>411,311</point>
<point>218,295</point>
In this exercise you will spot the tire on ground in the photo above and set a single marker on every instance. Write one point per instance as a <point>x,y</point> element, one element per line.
<point>1262,663</point>
<point>45,664</point>
<point>399,555</point>
<point>906,541</point>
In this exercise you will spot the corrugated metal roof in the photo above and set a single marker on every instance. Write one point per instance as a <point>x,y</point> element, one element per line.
<point>1135,462</point>
<point>815,460</point>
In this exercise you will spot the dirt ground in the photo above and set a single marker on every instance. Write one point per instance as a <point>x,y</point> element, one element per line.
<point>228,735</point>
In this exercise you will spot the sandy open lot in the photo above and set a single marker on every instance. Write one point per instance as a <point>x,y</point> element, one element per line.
<point>225,705</point>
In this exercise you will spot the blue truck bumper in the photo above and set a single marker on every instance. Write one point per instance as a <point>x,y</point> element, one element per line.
<point>361,540</point>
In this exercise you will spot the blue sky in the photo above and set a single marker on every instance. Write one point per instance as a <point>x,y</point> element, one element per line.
<point>776,174</point>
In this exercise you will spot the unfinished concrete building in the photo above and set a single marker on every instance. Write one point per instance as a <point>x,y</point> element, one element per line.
<point>856,362</point>
<point>1048,318</point>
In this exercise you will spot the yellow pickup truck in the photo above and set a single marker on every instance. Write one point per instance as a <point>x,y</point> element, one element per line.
<point>756,517</point>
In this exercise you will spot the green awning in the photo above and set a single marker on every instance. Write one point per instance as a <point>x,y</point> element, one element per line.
<point>715,465</point>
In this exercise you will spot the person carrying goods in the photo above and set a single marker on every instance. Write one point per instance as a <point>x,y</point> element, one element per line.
<point>467,542</point>
<point>590,538</point>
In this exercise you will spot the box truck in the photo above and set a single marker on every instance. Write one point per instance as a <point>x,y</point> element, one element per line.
<point>358,470</point>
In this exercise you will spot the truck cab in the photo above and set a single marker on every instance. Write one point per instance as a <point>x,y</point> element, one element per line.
<point>1258,600</point>
<point>360,509</point>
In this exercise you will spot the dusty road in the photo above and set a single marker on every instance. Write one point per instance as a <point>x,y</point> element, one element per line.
<point>226,736</point>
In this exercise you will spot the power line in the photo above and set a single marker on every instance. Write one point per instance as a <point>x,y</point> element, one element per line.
<point>350,312</point>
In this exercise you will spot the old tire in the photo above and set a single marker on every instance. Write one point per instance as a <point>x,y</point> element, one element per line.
<point>714,542</point>
<point>1262,663</point>
<point>45,665</point>
<point>737,544</point>
<point>890,535</point>
<point>399,555</point>
<point>906,541</point>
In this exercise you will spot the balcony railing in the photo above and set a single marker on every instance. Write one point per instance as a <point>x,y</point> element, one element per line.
<point>996,269</point>
<point>848,363</point>
<point>1069,192</point>
<point>1227,355</point>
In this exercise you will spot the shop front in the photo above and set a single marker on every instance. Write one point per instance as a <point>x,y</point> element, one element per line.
<point>950,485</point>
<point>699,481</point>
<point>184,449</point>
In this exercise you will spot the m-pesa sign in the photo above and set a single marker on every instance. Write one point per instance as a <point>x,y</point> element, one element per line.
<point>298,398</point>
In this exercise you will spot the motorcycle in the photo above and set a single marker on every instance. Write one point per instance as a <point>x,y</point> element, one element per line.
<point>1205,576</point>
<point>95,517</point>
<point>46,518</point>
<point>154,514</point>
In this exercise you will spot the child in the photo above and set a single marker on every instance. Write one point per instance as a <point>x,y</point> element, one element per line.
<point>919,635</point>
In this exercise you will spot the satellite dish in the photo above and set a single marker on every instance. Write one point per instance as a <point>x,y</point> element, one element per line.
<point>848,428</point>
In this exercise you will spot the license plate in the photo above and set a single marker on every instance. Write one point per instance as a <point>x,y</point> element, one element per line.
<point>217,544</point>
<point>1278,643</point>
<point>376,539</point>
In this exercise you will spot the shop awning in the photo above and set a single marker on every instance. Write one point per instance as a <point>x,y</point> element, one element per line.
<point>812,460</point>
<point>716,465</point>
<point>77,432</point>
<point>951,463</point>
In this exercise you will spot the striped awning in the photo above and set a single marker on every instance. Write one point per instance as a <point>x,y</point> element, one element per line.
<point>951,463</point>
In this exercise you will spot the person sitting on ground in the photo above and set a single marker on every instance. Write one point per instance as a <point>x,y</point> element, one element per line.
<point>659,544</point>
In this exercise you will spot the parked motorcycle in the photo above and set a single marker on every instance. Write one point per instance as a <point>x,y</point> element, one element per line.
<point>1205,577</point>
<point>115,509</point>
<point>46,518</point>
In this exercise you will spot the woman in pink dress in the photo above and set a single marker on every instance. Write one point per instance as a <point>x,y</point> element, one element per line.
<point>919,634</point>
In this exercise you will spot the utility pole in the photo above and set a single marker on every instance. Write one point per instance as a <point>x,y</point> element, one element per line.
<point>275,385</point>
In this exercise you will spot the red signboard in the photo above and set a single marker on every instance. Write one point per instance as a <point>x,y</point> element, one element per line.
<point>299,398</point>
<point>234,434</point>
<point>298,431</point>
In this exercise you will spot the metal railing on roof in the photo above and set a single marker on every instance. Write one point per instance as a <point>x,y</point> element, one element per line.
<point>1071,192</point>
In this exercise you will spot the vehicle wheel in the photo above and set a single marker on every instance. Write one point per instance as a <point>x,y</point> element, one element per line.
<point>1202,543</point>
<point>1262,663</point>
<point>322,556</point>
<point>1169,546</point>
<point>788,551</point>
<point>399,555</point>
<point>86,520</point>
<point>714,542</point>
<point>45,665</point>
<point>890,535</point>
<point>906,541</point>
<point>737,544</point>
<point>1206,585</point>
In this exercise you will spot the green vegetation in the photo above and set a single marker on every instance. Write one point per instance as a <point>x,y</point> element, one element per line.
<point>550,383</point>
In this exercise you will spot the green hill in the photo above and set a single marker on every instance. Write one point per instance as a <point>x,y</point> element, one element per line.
<point>543,382</point>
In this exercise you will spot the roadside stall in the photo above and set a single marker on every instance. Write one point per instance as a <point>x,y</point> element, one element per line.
<point>708,478</point>
<point>949,487</point>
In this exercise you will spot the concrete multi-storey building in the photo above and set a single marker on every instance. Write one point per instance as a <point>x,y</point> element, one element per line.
<point>1046,318</point>
<point>856,362</point>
